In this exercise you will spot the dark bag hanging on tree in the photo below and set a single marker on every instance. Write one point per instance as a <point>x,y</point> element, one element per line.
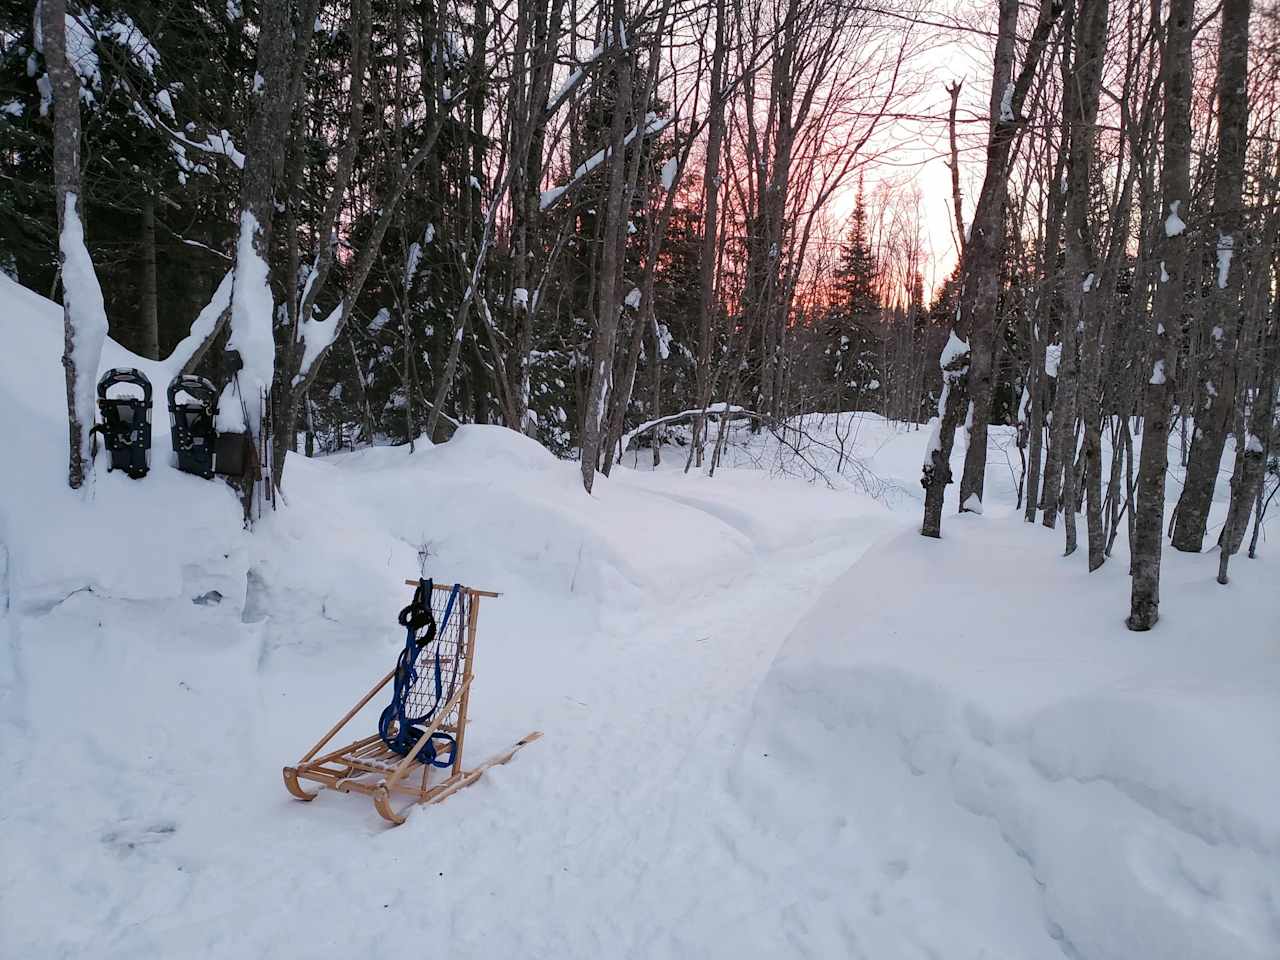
<point>191,423</point>
<point>126,422</point>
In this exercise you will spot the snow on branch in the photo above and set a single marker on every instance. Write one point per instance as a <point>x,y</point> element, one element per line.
<point>317,336</point>
<point>653,124</point>
<point>203,326</point>
<point>561,96</point>
<point>733,411</point>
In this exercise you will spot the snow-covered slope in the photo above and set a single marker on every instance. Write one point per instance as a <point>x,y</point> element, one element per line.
<point>777,722</point>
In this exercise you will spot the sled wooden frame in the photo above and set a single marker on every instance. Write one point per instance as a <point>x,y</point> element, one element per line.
<point>369,766</point>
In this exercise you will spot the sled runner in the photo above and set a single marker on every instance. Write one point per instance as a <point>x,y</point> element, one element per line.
<point>126,422</point>
<point>421,731</point>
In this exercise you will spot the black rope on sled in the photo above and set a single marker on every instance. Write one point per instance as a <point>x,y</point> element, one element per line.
<point>416,617</point>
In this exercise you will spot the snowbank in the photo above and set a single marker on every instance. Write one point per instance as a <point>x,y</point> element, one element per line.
<point>1023,756</point>
<point>152,539</point>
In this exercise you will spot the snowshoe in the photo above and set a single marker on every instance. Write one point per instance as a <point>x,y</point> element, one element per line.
<point>191,423</point>
<point>126,422</point>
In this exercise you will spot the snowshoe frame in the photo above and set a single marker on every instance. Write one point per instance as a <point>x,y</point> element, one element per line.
<point>126,422</point>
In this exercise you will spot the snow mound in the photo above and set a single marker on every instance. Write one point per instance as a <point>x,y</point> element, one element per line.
<point>149,539</point>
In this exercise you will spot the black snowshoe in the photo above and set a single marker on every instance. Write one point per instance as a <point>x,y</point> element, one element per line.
<point>191,423</point>
<point>126,422</point>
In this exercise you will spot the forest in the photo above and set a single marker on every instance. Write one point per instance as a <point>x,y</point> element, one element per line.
<point>859,424</point>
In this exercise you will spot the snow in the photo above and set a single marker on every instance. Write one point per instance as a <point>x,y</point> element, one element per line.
<point>252,311</point>
<point>1225,244</point>
<point>126,33</point>
<point>165,102</point>
<point>204,323</point>
<point>82,300</point>
<point>777,721</point>
<point>955,349</point>
<point>221,143</point>
<point>317,336</point>
<point>653,124</point>
<point>1157,373</point>
<point>412,259</point>
<point>670,169</point>
<point>973,504</point>
<point>1006,105</point>
<point>1052,359</point>
<point>559,96</point>
<point>1173,224</point>
<point>632,299</point>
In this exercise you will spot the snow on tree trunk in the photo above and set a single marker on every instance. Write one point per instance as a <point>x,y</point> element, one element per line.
<point>1217,391</point>
<point>84,317</point>
<point>1166,319</point>
<point>252,315</point>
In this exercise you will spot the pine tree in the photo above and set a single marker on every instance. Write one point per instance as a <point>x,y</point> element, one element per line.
<point>851,325</point>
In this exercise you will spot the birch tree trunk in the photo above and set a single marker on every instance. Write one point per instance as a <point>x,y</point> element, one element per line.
<point>84,319</point>
<point>1166,318</point>
<point>1217,390</point>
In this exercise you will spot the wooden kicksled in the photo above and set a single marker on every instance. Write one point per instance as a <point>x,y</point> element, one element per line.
<point>441,686</point>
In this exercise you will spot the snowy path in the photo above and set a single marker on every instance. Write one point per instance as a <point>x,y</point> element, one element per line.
<point>604,839</point>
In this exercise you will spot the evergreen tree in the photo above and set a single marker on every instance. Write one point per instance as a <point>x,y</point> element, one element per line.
<point>851,326</point>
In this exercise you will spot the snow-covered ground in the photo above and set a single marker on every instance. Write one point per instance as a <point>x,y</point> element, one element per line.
<point>777,721</point>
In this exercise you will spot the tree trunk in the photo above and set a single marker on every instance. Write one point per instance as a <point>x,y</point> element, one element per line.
<point>1217,391</point>
<point>252,321</point>
<point>969,359</point>
<point>84,318</point>
<point>1251,453</point>
<point>611,262</point>
<point>1081,313</point>
<point>710,233</point>
<point>1166,318</point>
<point>149,321</point>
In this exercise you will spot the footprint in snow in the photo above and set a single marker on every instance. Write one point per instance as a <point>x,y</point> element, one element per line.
<point>129,836</point>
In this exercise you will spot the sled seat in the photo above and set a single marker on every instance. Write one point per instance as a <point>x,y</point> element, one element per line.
<point>370,766</point>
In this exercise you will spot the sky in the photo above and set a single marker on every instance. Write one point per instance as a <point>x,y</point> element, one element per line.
<point>914,148</point>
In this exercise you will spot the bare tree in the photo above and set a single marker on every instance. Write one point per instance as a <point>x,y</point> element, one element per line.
<point>968,360</point>
<point>1216,387</point>
<point>84,318</point>
<point>1166,317</point>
